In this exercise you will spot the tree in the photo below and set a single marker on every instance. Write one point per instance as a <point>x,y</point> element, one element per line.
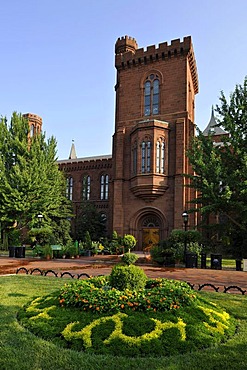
<point>221,170</point>
<point>89,219</point>
<point>30,181</point>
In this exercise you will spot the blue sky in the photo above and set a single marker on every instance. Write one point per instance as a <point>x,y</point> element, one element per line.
<point>57,59</point>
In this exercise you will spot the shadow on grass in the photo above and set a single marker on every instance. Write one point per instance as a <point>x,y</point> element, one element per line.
<point>17,295</point>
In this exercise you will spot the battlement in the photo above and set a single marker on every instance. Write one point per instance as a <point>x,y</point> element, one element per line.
<point>128,56</point>
<point>125,44</point>
<point>33,118</point>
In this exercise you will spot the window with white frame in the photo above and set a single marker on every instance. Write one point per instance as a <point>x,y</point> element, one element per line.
<point>69,188</point>
<point>104,187</point>
<point>160,156</point>
<point>86,187</point>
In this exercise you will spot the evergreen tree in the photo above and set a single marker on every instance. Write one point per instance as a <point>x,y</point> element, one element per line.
<point>221,170</point>
<point>89,220</point>
<point>30,181</point>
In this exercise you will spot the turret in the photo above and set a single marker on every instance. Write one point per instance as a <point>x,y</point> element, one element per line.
<point>214,129</point>
<point>125,44</point>
<point>35,123</point>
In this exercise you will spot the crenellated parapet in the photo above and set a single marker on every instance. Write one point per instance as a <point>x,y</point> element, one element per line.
<point>126,44</point>
<point>128,55</point>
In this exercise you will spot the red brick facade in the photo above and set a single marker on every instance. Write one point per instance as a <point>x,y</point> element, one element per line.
<point>155,98</point>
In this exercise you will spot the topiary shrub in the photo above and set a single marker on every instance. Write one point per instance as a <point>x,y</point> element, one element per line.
<point>129,241</point>
<point>129,258</point>
<point>127,277</point>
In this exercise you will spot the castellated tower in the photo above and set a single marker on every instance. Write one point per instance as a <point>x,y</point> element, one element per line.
<point>35,123</point>
<point>154,122</point>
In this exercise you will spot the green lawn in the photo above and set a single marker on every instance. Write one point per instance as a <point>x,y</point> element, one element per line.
<point>21,350</point>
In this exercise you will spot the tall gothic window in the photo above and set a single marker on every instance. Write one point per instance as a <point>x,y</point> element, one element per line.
<point>69,188</point>
<point>146,156</point>
<point>86,187</point>
<point>160,157</point>
<point>104,187</point>
<point>151,95</point>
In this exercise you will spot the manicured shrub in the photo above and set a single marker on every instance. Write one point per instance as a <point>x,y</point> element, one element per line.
<point>127,277</point>
<point>129,241</point>
<point>129,258</point>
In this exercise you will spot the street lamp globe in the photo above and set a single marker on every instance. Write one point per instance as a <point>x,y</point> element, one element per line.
<point>185,217</point>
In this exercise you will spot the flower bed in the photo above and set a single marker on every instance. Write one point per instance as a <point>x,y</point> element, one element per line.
<point>165,318</point>
<point>95,294</point>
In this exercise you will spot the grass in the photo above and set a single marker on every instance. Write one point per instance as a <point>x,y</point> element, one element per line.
<point>20,349</point>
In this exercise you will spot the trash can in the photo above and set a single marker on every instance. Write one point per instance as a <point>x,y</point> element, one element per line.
<point>216,261</point>
<point>191,260</point>
<point>12,251</point>
<point>20,252</point>
<point>203,260</point>
<point>238,265</point>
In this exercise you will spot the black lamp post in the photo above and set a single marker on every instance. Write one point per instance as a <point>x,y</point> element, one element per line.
<point>185,219</point>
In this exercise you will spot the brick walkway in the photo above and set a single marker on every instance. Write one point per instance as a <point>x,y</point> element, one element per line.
<point>101,265</point>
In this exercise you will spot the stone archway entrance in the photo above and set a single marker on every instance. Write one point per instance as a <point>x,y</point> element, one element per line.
<point>150,231</point>
<point>149,226</point>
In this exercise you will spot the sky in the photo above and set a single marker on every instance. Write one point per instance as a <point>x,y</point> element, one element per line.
<point>57,59</point>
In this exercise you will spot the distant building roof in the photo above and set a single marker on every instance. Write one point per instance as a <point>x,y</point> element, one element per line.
<point>212,128</point>
<point>85,159</point>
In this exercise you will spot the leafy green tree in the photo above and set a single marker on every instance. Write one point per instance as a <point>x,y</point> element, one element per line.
<point>221,170</point>
<point>30,181</point>
<point>89,219</point>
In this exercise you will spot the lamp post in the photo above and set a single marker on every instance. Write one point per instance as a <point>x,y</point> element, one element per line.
<point>185,219</point>
<point>40,218</point>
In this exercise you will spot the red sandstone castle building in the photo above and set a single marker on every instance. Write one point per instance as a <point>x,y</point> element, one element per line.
<point>140,189</point>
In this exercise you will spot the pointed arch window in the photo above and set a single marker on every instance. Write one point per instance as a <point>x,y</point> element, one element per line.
<point>104,187</point>
<point>146,156</point>
<point>86,187</point>
<point>160,157</point>
<point>69,188</point>
<point>151,95</point>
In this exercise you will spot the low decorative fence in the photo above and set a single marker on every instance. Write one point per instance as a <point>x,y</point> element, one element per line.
<point>229,289</point>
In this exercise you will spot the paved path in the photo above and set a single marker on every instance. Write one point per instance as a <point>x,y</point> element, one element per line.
<point>101,265</point>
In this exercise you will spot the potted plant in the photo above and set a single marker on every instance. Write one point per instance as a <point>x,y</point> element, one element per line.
<point>47,251</point>
<point>114,244</point>
<point>70,250</point>
<point>88,244</point>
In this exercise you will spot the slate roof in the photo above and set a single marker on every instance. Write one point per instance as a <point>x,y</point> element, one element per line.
<point>212,127</point>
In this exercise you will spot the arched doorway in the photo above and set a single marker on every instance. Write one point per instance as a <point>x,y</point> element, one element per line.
<point>149,226</point>
<point>150,231</point>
